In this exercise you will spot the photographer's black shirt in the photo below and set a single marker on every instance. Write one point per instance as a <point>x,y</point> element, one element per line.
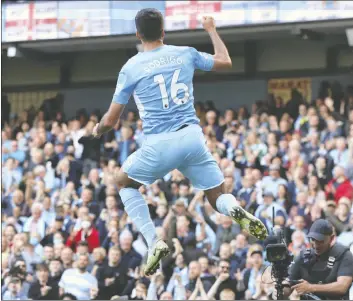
<point>314,269</point>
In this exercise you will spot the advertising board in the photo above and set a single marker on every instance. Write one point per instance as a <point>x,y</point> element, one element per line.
<point>17,22</point>
<point>40,20</point>
<point>122,14</point>
<point>282,87</point>
<point>45,18</point>
<point>3,19</point>
<point>302,11</point>
<point>180,15</point>
<point>83,19</point>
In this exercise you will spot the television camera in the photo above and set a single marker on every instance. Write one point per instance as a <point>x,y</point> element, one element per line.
<point>278,255</point>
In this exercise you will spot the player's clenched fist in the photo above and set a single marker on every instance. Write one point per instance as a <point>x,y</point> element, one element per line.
<point>208,23</point>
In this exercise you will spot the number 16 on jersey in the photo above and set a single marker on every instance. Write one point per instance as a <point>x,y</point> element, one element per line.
<point>174,88</point>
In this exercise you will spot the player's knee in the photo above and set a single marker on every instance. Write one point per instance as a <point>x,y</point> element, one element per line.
<point>123,181</point>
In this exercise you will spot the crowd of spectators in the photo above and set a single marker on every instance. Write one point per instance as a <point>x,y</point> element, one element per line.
<point>65,234</point>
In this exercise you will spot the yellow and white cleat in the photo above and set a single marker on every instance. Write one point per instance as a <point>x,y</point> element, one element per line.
<point>249,223</point>
<point>159,251</point>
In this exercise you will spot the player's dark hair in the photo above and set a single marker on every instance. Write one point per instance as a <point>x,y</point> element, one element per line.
<point>149,24</point>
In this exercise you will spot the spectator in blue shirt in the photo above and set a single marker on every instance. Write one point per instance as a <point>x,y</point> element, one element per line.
<point>10,175</point>
<point>15,153</point>
<point>340,154</point>
<point>272,182</point>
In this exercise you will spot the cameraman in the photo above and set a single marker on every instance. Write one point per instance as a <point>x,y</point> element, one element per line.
<point>325,270</point>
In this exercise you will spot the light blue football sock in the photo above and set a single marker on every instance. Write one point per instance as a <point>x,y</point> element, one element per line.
<point>225,203</point>
<point>137,209</point>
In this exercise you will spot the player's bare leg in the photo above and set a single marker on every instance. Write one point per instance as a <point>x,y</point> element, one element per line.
<point>228,205</point>
<point>137,210</point>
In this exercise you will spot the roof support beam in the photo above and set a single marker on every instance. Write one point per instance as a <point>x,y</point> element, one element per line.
<point>250,52</point>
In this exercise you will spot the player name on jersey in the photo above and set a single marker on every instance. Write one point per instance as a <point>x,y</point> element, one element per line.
<point>162,61</point>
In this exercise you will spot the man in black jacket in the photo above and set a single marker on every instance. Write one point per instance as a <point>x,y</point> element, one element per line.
<point>91,150</point>
<point>43,288</point>
<point>112,277</point>
<point>75,170</point>
<point>131,259</point>
<point>5,110</point>
<point>55,270</point>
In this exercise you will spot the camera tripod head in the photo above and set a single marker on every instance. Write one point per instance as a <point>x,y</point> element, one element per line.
<point>278,255</point>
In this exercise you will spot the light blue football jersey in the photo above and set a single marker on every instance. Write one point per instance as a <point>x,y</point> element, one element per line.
<point>161,84</point>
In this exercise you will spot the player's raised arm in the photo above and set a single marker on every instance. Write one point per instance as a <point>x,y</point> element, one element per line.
<point>122,94</point>
<point>221,57</point>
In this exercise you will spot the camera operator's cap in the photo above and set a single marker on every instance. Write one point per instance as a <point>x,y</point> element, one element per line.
<point>320,229</point>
